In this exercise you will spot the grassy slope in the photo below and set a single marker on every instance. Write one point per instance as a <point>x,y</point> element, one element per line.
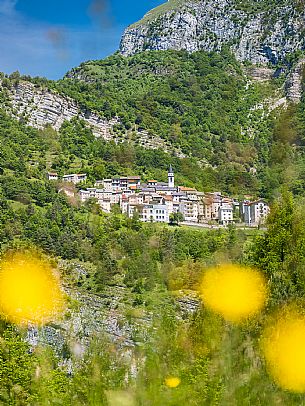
<point>170,5</point>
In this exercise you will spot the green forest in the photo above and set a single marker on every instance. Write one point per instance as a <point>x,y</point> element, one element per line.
<point>217,362</point>
<point>198,103</point>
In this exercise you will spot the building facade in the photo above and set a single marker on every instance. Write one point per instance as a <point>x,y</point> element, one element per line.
<point>255,213</point>
<point>156,201</point>
<point>75,178</point>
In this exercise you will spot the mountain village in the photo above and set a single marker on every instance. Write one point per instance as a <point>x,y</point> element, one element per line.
<point>163,201</point>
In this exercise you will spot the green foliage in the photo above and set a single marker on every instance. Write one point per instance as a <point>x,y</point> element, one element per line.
<point>196,102</point>
<point>176,218</point>
<point>199,103</point>
<point>77,139</point>
<point>16,369</point>
<point>186,99</point>
<point>280,252</point>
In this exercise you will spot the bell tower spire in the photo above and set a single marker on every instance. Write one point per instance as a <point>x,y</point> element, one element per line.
<point>171,177</point>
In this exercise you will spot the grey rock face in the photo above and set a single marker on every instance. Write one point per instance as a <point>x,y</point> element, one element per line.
<point>260,74</point>
<point>294,82</point>
<point>96,315</point>
<point>40,107</point>
<point>210,24</point>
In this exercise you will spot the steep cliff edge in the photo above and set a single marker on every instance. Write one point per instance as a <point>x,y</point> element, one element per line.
<point>256,31</point>
<point>40,107</point>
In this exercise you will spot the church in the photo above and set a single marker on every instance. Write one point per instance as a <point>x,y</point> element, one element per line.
<point>154,186</point>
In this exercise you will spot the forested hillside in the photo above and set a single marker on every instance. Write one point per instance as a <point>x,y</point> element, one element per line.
<point>197,101</point>
<point>137,328</point>
<point>146,261</point>
<point>231,128</point>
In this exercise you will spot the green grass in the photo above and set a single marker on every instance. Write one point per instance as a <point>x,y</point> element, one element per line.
<point>158,11</point>
<point>170,5</point>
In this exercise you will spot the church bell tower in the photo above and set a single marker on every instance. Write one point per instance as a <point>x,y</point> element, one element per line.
<point>171,177</point>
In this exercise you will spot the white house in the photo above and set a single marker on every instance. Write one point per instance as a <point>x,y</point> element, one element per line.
<point>168,201</point>
<point>154,212</point>
<point>216,204</point>
<point>120,183</point>
<point>124,202</point>
<point>255,213</point>
<point>225,214</point>
<point>189,209</point>
<point>106,184</point>
<point>75,178</point>
<point>52,176</point>
<point>87,194</point>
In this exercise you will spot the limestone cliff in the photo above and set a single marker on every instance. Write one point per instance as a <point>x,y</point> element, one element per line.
<point>110,314</point>
<point>255,30</point>
<point>294,82</point>
<point>39,107</point>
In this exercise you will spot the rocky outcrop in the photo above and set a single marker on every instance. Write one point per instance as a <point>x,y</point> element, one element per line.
<point>260,74</point>
<point>40,107</point>
<point>294,82</point>
<point>267,35</point>
<point>110,315</point>
<point>94,315</point>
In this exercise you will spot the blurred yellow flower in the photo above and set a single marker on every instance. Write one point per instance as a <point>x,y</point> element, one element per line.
<point>283,344</point>
<point>172,382</point>
<point>234,292</point>
<point>30,292</point>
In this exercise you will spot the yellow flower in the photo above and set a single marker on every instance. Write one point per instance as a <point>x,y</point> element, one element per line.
<point>283,345</point>
<point>30,292</point>
<point>234,292</point>
<point>172,382</point>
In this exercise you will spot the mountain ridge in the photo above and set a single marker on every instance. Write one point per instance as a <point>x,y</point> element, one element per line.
<point>267,36</point>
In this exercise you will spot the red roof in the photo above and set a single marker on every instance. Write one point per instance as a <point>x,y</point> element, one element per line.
<point>187,189</point>
<point>168,198</point>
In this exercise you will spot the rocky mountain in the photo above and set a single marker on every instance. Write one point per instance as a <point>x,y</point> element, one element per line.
<point>206,106</point>
<point>40,106</point>
<point>256,30</point>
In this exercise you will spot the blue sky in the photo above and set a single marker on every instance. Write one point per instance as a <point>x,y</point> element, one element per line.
<point>49,37</point>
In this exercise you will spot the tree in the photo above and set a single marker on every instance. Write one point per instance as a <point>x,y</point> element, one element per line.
<point>280,252</point>
<point>17,368</point>
<point>176,218</point>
